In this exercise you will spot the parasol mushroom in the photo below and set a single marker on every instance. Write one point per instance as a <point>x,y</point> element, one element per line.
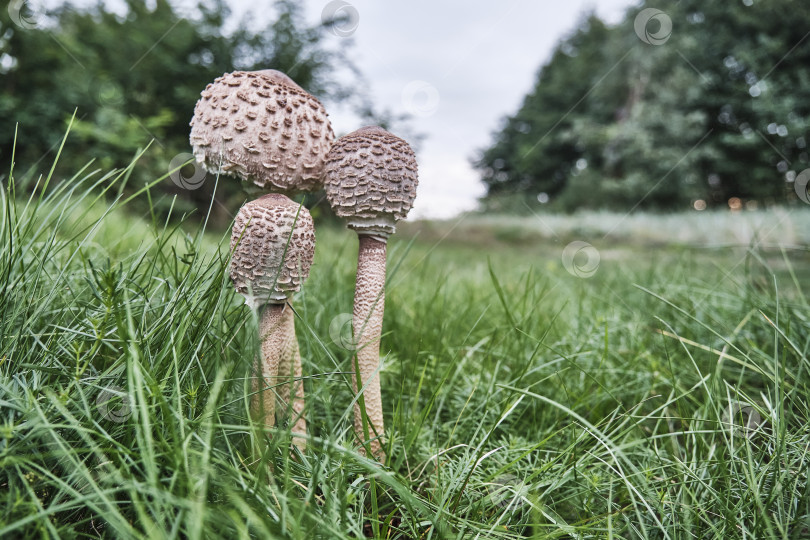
<point>264,128</point>
<point>268,131</point>
<point>273,243</point>
<point>370,180</point>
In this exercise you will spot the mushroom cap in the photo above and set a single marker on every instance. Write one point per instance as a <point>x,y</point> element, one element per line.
<point>272,242</point>
<point>264,128</point>
<point>371,179</point>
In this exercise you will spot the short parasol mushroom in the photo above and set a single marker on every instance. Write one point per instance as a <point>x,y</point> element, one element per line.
<point>370,181</point>
<point>269,132</point>
<point>273,243</point>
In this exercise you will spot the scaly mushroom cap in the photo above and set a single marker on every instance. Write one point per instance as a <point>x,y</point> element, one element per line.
<point>371,179</point>
<point>264,128</point>
<point>273,243</point>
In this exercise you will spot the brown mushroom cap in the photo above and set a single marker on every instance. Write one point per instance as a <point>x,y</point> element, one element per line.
<point>371,179</point>
<point>273,242</point>
<point>279,77</point>
<point>264,128</point>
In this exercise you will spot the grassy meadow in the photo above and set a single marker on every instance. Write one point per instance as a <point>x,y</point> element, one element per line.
<point>664,396</point>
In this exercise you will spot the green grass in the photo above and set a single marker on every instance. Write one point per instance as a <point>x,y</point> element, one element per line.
<point>521,400</point>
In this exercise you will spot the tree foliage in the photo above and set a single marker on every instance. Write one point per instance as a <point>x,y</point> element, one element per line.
<point>133,80</point>
<point>720,109</point>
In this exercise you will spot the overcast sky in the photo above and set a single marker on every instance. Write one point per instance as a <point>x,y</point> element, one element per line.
<point>457,66</point>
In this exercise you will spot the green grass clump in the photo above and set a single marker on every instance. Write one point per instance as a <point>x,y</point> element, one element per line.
<point>663,397</point>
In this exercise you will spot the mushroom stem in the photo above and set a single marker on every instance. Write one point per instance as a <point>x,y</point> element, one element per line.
<point>369,300</point>
<point>275,326</point>
<point>292,384</point>
<point>280,369</point>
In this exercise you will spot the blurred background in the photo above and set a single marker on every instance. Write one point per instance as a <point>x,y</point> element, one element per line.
<point>514,107</point>
<point>597,315</point>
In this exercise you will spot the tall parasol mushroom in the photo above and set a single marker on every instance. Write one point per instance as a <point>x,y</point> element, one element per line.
<point>273,135</point>
<point>370,181</point>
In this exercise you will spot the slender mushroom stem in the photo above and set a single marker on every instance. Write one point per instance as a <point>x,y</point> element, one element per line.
<point>369,304</point>
<point>279,369</point>
<point>292,384</point>
<point>275,325</point>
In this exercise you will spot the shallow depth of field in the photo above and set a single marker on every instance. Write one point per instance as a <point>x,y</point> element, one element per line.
<point>659,391</point>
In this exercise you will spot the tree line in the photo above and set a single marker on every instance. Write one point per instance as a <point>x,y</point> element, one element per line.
<point>681,104</point>
<point>129,81</point>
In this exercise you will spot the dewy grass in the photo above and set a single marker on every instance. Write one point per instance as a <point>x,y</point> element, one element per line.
<point>664,397</point>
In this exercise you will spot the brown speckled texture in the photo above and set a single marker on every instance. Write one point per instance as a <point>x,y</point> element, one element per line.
<point>263,128</point>
<point>263,229</point>
<point>371,179</point>
<point>367,319</point>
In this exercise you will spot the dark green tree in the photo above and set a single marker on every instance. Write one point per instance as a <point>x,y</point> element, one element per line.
<point>536,149</point>
<point>133,80</point>
<point>718,110</point>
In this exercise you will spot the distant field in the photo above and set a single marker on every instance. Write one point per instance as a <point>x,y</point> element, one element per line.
<point>652,385</point>
<point>788,226</point>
